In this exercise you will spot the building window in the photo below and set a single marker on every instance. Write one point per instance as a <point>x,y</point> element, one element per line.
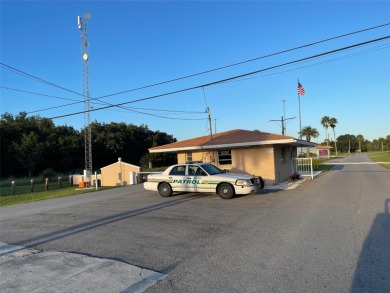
<point>188,157</point>
<point>225,157</point>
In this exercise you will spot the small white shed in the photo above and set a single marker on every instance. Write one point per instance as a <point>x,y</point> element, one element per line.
<point>118,173</point>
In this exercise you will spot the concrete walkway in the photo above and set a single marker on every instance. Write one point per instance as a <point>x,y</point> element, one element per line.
<point>29,270</point>
<point>286,185</point>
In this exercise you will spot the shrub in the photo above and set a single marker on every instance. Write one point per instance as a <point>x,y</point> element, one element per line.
<point>48,173</point>
<point>293,177</point>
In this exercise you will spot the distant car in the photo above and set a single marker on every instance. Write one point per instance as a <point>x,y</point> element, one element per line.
<point>202,177</point>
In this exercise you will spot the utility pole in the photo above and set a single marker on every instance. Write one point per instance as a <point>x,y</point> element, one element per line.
<point>82,25</point>
<point>209,114</point>
<point>284,113</point>
<point>215,125</point>
<point>283,119</point>
<point>283,122</point>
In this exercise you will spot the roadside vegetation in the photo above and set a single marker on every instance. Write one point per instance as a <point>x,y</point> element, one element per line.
<point>23,185</point>
<point>32,145</point>
<point>317,165</point>
<point>27,196</point>
<point>380,157</point>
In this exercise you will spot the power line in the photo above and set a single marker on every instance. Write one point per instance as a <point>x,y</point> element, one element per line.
<point>232,78</point>
<point>49,96</point>
<point>38,94</point>
<point>165,117</point>
<point>187,112</point>
<point>102,103</point>
<point>246,61</point>
<point>54,107</point>
<point>381,47</point>
<point>191,75</point>
<point>37,78</point>
<point>173,111</point>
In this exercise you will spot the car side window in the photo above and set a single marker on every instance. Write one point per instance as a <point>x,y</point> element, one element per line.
<point>200,172</point>
<point>194,170</point>
<point>178,170</point>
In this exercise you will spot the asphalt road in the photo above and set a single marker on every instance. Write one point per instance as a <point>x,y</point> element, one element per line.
<point>331,234</point>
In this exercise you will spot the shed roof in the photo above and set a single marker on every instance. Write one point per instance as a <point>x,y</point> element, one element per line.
<point>232,139</point>
<point>120,162</point>
<point>323,147</point>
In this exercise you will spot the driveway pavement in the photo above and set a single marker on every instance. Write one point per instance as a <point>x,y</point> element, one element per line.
<point>331,234</point>
<point>31,270</point>
<point>24,269</point>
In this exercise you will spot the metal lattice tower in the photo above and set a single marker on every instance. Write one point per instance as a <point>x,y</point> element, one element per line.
<point>82,25</point>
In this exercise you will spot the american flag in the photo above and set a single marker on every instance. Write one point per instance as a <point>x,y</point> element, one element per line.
<point>301,90</point>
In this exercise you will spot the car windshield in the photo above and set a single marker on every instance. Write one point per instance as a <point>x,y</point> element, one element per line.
<point>211,169</point>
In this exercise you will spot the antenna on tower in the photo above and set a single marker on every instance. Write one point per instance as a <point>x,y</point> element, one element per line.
<point>82,25</point>
<point>283,119</point>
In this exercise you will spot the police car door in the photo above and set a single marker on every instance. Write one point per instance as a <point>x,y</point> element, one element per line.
<point>197,179</point>
<point>178,177</point>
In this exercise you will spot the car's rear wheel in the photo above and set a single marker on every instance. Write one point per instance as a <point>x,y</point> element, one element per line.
<point>164,189</point>
<point>225,191</point>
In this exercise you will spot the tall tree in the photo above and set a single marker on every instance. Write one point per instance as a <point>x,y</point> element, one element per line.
<point>308,132</point>
<point>130,142</point>
<point>30,151</point>
<point>332,123</point>
<point>381,142</point>
<point>387,143</point>
<point>360,139</point>
<point>347,143</point>
<point>32,144</point>
<point>26,143</point>
<point>325,123</point>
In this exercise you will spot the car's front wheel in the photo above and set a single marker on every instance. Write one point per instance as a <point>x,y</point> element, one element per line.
<point>164,189</point>
<point>225,191</point>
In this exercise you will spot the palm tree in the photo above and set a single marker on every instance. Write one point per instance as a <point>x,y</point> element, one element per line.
<point>332,123</point>
<point>360,138</point>
<point>381,141</point>
<point>325,123</point>
<point>309,132</point>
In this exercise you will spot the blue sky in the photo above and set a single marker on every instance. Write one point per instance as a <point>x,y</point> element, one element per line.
<point>134,44</point>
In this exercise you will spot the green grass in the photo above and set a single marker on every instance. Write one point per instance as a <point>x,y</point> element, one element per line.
<point>317,165</point>
<point>22,188</point>
<point>380,157</point>
<point>35,196</point>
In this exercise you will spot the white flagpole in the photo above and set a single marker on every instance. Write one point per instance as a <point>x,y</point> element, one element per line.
<point>300,119</point>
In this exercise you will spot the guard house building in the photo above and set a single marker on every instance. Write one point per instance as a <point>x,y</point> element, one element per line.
<point>271,156</point>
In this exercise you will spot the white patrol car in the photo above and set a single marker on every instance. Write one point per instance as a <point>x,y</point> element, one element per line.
<point>202,177</point>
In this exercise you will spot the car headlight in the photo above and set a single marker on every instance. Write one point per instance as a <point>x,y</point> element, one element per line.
<point>243,182</point>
